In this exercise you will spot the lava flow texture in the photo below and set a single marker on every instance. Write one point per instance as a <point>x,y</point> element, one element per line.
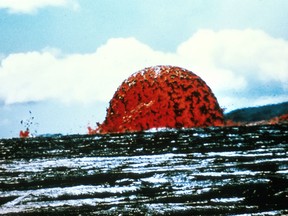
<point>161,97</point>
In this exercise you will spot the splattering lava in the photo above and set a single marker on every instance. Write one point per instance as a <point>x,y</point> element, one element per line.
<point>161,96</point>
<point>27,124</point>
<point>24,134</point>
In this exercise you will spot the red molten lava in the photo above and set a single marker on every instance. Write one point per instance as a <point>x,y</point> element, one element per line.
<point>161,96</point>
<point>24,134</point>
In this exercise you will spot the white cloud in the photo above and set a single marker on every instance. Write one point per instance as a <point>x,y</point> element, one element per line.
<point>30,6</point>
<point>242,55</point>
<point>228,60</point>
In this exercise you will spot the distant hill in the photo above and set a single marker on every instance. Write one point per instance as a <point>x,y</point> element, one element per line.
<point>261,113</point>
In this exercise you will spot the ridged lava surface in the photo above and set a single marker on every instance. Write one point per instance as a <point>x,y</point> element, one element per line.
<point>198,171</point>
<point>162,96</point>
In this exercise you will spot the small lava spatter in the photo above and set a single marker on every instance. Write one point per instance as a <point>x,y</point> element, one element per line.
<point>161,96</point>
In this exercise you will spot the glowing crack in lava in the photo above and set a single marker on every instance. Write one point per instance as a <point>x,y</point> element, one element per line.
<point>161,96</point>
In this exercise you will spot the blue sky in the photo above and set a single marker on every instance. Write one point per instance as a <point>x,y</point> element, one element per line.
<point>63,59</point>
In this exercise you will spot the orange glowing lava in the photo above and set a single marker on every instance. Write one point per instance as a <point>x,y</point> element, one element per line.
<point>24,134</point>
<point>161,96</point>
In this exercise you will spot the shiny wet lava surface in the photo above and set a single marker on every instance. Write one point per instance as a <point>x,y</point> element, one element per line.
<point>204,171</point>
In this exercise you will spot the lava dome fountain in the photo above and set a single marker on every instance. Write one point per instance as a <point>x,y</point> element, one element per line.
<point>161,97</point>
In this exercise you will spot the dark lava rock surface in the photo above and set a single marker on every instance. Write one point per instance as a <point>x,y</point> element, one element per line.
<point>203,171</point>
